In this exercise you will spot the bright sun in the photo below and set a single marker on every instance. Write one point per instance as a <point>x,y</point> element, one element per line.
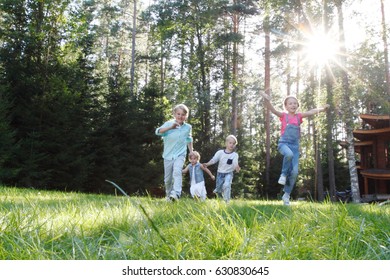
<point>320,49</point>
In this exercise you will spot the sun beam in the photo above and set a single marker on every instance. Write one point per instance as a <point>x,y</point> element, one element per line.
<point>320,49</point>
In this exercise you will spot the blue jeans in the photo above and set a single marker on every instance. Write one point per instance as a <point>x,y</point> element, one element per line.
<point>173,178</point>
<point>290,165</point>
<point>289,147</point>
<point>224,185</point>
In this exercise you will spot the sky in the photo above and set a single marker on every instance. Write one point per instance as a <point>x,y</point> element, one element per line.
<point>370,11</point>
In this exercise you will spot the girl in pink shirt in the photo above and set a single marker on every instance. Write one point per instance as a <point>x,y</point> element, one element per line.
<point>288,144</point>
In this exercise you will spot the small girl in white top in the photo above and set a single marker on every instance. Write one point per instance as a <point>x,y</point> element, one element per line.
<point>228,162</point>
<point>198,188</point>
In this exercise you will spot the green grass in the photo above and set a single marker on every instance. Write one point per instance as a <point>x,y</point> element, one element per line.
<point>41,225</point>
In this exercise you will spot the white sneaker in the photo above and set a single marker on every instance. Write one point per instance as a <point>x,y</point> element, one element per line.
<point>282,180</point>
<point>286,199</point>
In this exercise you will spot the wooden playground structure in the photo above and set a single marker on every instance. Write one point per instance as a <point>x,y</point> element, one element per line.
<point>372,143</point>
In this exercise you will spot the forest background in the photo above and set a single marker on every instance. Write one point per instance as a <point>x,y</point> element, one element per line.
<point>85,83</point>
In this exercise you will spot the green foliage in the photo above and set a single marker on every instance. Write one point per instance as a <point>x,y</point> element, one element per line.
<point>42,95</point>
<point>69,119</point>
<point>7,141</point>
<point>369,67</point>
<point>125,144</point>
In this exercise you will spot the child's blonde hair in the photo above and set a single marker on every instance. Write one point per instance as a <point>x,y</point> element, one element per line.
<point>232,137</point>
<point>182,107</point>
<point>196,154</point>
<point>292,97</point>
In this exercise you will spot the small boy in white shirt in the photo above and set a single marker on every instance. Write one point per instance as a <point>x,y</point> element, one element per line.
<point>227,163</point>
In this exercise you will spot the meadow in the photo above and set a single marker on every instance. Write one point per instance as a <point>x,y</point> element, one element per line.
<point>50,225</point>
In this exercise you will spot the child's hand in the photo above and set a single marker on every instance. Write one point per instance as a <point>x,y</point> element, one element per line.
<point>213,177</point>
<point>266,96</point>
<point>175,125</point>
<point>323,109</point>
<point>238,168</point>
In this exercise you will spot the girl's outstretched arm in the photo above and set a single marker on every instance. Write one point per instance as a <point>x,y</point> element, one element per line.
<point>267,101</point>
<point>315,111</point>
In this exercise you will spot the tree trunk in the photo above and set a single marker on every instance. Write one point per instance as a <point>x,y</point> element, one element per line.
<point>288,79</point>
<point>319,174</point>
<point>203,90</point>
<point>329,139</point>
<point>267,86</point>
<point>348,112</point>
<point>133,44</point>
<point>329,115</point>
<point>234,78</point>
<point>162,70</point>
<point>386,53</point>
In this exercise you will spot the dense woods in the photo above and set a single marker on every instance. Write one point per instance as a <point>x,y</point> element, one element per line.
<point>84,84</point>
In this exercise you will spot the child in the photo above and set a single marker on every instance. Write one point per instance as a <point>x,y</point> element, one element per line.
<point>228,162</point>
<point>177,136</point>
<point>198,188</point>
<point>288,144</point>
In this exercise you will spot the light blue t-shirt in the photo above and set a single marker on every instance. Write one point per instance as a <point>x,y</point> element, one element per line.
<point>175,140</point>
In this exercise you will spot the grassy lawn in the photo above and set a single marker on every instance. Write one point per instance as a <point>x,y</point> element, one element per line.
<point>41,225</point>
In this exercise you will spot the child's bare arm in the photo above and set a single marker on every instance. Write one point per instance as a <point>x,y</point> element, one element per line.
<point>190,148</point>
<point>165,129</point>
<point>205,169</point>
<point>315,111</point>
<point>267,101</point>
<point>185,170</point>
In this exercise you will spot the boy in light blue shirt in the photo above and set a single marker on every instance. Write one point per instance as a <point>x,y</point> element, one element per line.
<point>177,137</point>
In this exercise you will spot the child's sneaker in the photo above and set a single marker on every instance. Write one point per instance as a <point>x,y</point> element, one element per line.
<point>282,180</point>
<point>286,199</point>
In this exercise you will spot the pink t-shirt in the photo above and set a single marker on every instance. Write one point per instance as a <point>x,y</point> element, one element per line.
<point>291,120</point>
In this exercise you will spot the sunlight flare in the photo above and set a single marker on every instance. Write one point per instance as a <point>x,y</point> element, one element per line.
<point>320,49</point>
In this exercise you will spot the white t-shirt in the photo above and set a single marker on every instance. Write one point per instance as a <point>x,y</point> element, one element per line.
<point>227,162</point>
